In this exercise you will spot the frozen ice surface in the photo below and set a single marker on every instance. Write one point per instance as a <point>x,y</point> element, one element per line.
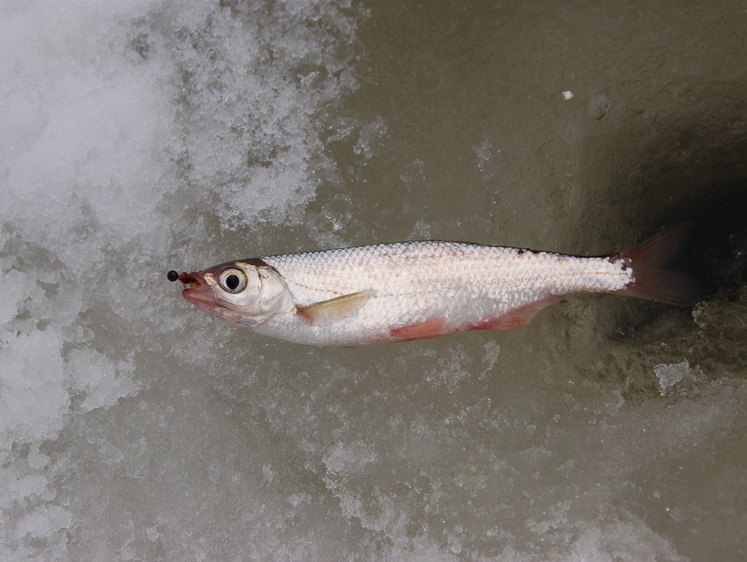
<point>598,106</point>
<point>670,375</point>
<point>144,136</point>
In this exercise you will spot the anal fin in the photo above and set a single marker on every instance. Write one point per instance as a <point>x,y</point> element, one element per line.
<point>335,310</point>
<point>518,317</point>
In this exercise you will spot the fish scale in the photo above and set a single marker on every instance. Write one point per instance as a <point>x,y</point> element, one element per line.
<point>464,284</point>
<point>433,265</point>
<point>414,290</point>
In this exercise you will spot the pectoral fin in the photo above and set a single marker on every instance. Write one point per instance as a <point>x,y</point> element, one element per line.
<point>335,310</point>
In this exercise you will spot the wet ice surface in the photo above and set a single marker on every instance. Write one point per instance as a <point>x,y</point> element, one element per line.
<point>143,138</point>
<point>670,375</point>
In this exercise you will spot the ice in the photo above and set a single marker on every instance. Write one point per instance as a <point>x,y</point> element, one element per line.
<point>146,136</point>
<point>348,458</point>
<point>670,375</point>
<point>94,99</point>
<point>369,137</point>
<point>492,350</point>
<point>14,281</point>
<point>598,106</point>
<point>627,540</point>
<point>44,522</point>
<point>485,152</point>
<point>34,400</point>
<point>99,379</point>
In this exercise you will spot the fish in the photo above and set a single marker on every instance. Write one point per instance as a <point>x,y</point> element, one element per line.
<point>406,291</point>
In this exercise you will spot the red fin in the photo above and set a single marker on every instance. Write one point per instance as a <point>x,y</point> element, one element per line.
<point>652,279</point>
<point>428,329</point>
<point>518,317</point>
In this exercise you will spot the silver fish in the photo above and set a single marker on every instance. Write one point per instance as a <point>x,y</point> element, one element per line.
<point>414,290</point>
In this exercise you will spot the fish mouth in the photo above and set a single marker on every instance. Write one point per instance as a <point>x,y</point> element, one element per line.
<point>197,291</point>
<point>190,280</point>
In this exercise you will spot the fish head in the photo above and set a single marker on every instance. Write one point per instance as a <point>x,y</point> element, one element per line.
<point>239,292</point>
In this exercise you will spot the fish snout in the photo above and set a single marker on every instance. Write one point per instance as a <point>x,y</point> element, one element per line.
<point>197,291</point>
<point>190,280</point>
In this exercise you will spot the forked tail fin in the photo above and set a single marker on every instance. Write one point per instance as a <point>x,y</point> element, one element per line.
<point>652,279</point>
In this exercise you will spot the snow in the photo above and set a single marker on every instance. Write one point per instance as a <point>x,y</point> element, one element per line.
<point>34,398</point>
<point>146,136</point>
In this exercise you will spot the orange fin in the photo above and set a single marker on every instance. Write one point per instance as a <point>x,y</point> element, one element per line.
<point>423,330</point>
<point>518,317</point>
<point>336,309</point>
<point>652,278</point>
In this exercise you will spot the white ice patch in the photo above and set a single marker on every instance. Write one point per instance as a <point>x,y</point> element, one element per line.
<point>44,522</point>
<point>370,135</point>
<point>15,291</point>
<point>84,127</point>
<point>670,375</point>
<point>253,87</point>
<point>492,350</point>
<point>101,380</point>
<point>621,540</point>
<point>350,458</point>
<point>33,399</point>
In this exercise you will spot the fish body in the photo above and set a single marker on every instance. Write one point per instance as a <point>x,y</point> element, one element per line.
<point>414,290</point>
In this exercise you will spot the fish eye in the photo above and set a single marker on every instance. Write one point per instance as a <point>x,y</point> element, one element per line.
<point>232,280</point>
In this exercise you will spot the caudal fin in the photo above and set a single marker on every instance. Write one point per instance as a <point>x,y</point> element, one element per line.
<point>653,280</point>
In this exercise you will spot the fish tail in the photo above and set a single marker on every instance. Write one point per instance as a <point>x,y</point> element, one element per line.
<point>652,278</point>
